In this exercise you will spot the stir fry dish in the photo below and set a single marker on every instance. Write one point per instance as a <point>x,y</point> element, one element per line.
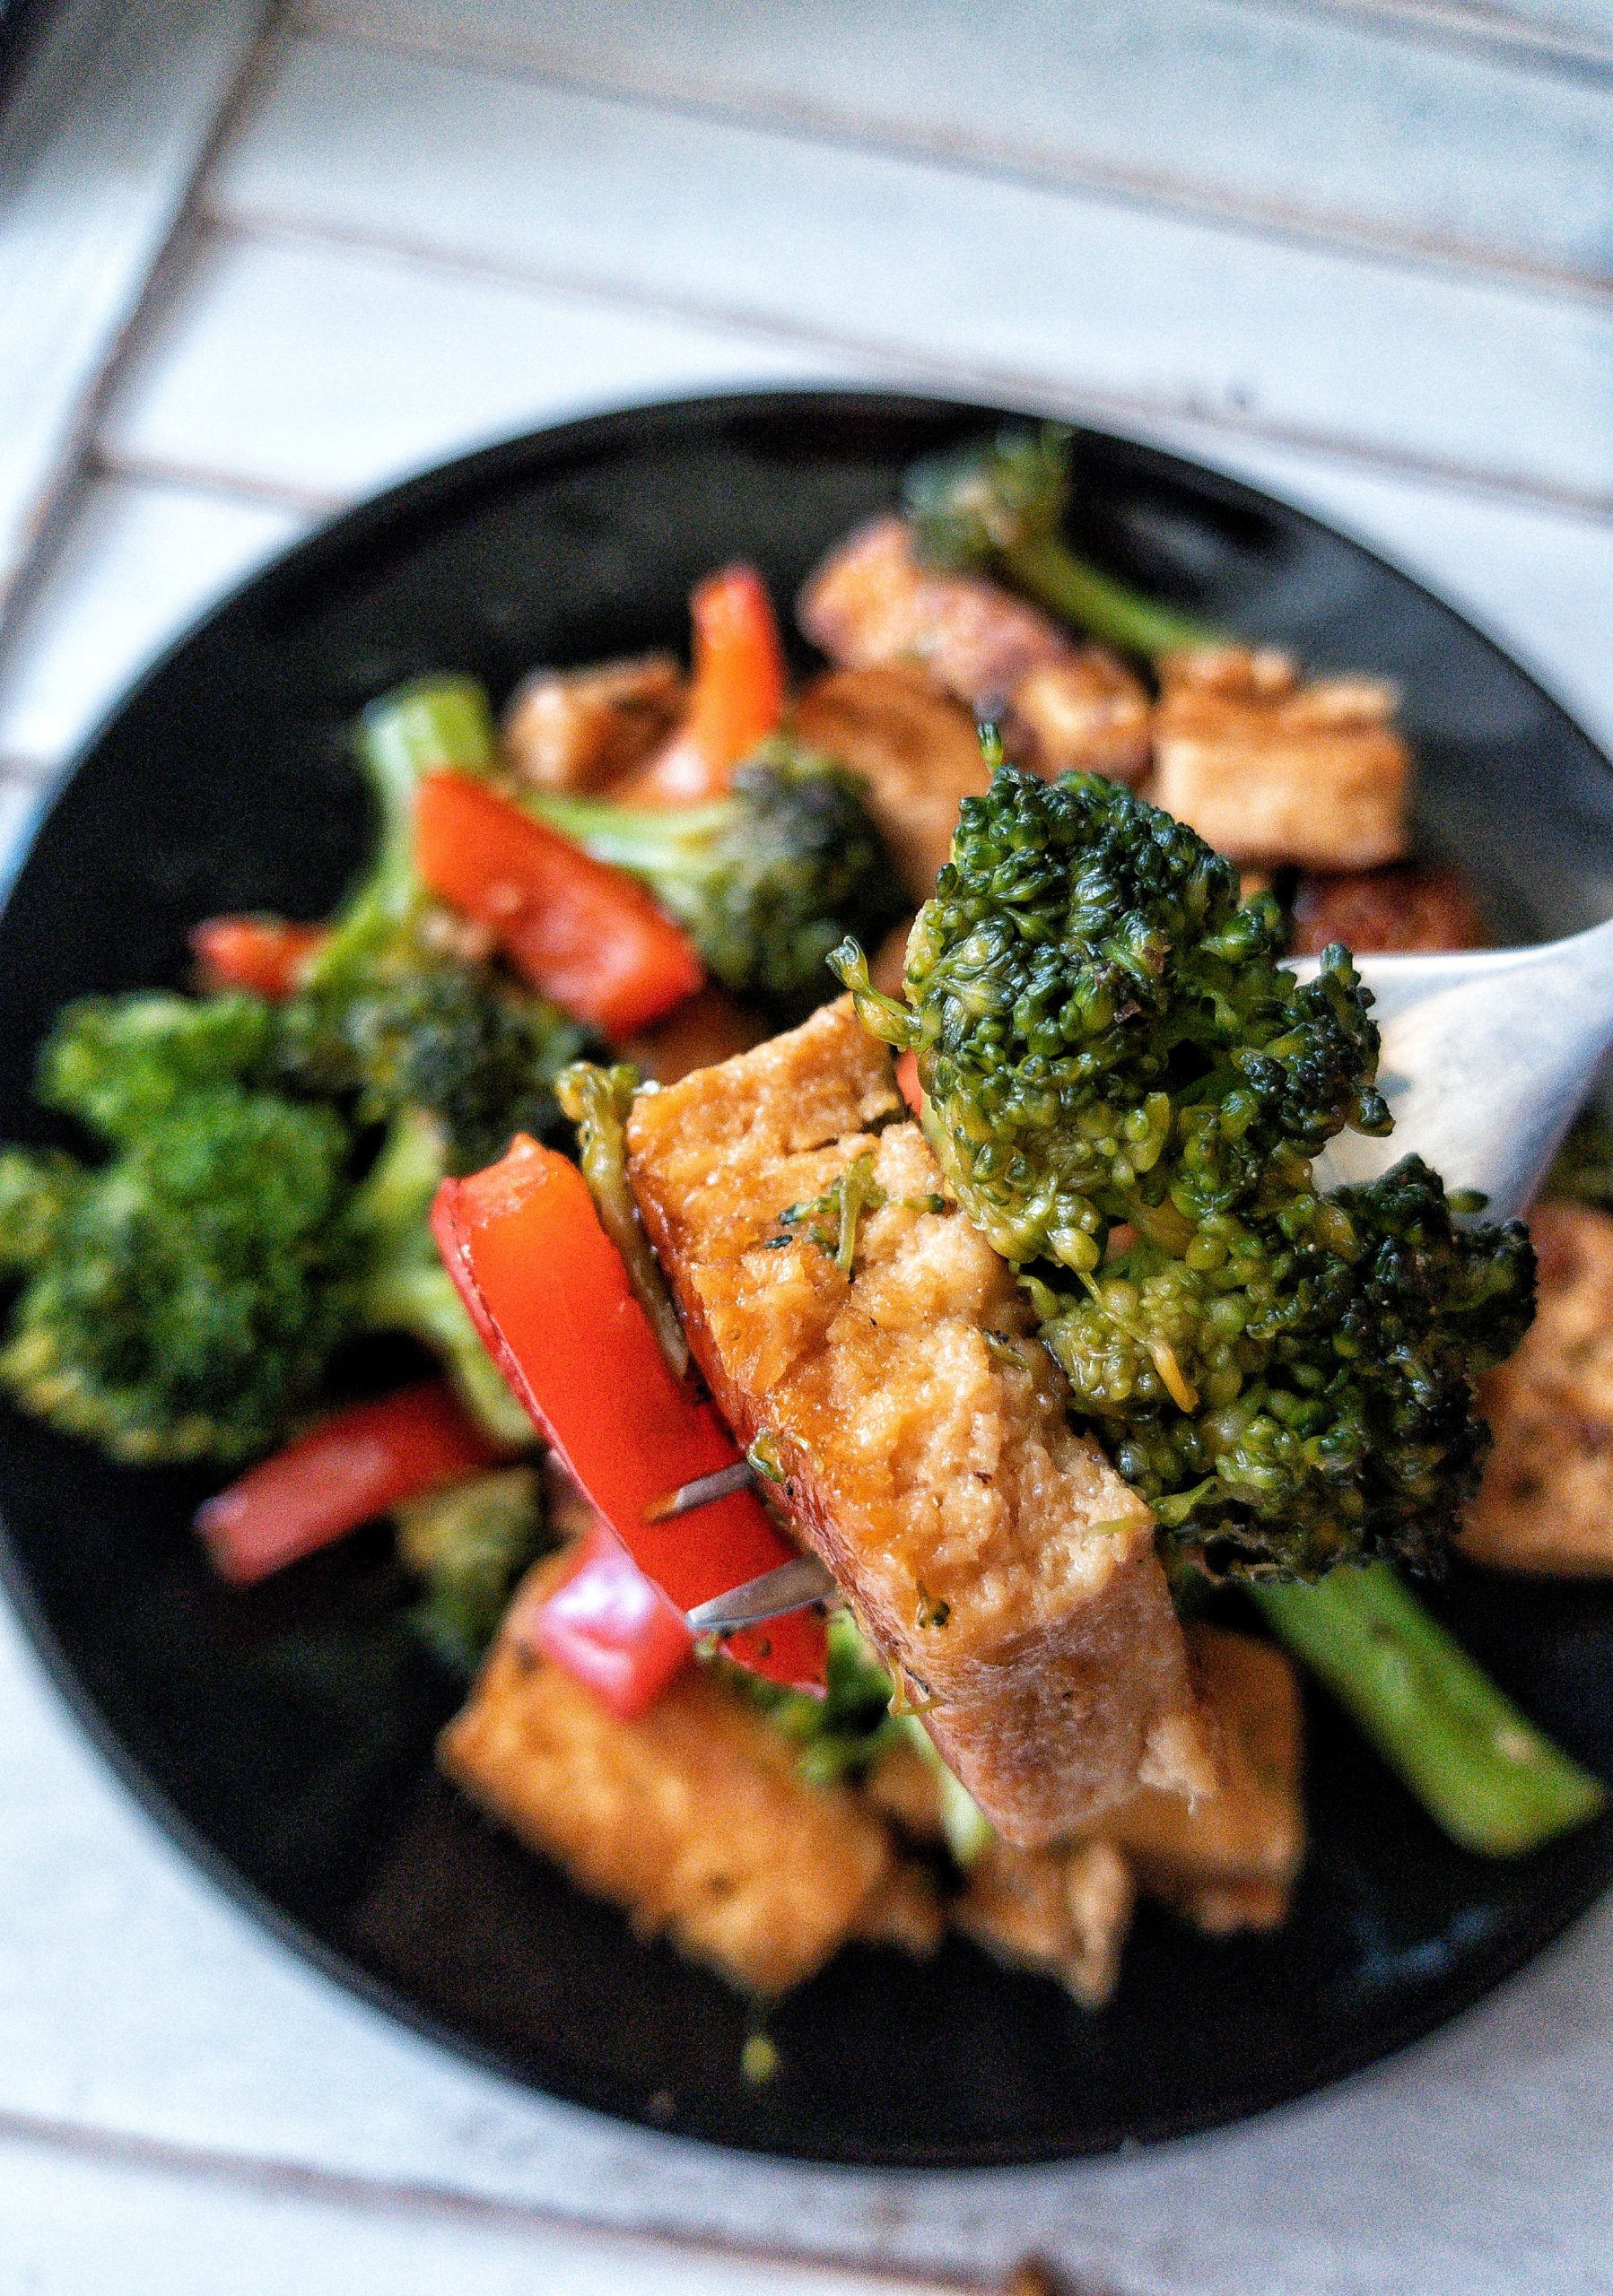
<point>871,1119</point>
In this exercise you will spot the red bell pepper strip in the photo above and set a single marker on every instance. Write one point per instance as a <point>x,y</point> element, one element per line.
<point>263,953</point>
<point>550,1296</point>
<point>608,1626</point>
<point>907,1080</point>
<point>584,933</point>
<point>353,1465</point>
<point>737,699</point>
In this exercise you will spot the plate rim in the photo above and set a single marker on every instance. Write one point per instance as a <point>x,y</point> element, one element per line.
<point>420,490</point>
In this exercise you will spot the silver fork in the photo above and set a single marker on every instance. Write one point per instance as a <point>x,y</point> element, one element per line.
<point>1487,1059</point>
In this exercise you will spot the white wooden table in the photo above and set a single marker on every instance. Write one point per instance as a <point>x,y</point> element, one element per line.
<point>253,264</point>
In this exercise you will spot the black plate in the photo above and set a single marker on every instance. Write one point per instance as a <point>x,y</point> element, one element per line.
<point>285,1736</point>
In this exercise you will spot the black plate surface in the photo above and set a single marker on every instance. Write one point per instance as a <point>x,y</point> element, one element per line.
<point>285,1736</point>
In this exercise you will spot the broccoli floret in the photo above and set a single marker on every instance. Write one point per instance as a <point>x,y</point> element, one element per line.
<point>393,1015</point>
<point>397,1281</point>
<point>37,1188</point>
<point>115,1062</point>
<point>470,1544</point>
<point>1126,1093</point>
<point>185,1297</point>
<point>1000,508</point>
<point>765,880</point>
<point>841,1734</point>
<point>1103,1034</point>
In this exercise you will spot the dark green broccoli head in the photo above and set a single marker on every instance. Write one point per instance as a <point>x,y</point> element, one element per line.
<point>1327,1355</point>
<point>998,507</point>
<point>1102,1033</point>
<point>1126,1093</point>
<point>115,1062</point>
<point>401,1025</point>
<point>187,1296</point>
<point>765,880</point>
<point>469,1545</point>
<point>969,509</point>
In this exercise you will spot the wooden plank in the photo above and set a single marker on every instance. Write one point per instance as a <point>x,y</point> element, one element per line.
<point>82,2219</point>
<point>1379,126</point>
<point>382,364</point>
<point>135,564</point>
<point>135,2001</point>
<point>98,146</point>
<point>1018,288</point>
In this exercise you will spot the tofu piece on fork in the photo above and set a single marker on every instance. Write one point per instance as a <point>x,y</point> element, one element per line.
<point>1003,1569</point>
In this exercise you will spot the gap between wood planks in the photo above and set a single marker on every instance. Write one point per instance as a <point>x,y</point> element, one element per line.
<point>375,24</point>
<point>271,2176</point>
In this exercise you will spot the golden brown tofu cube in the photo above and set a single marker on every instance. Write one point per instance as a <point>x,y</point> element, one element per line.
<point>1418,908</point>
<point>694,1819</point>
<point>1085,715</point>
<point>917,751</point>
<point>1268,769</point>
<point>1229,1908</point>
<point>905,1910</point>
<point>872,606</point>
<point>996,1561</point>
<point>1065,1912</point>
<point>579,729</point>
<point>1545,1503</point>
<point>1250,1831</point>
<point>706,1028</point>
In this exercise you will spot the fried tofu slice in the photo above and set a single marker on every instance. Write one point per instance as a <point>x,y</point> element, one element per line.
<point>870,604</point>
<point>1415,908</point>
<point>694,1819</point>
<point>1545,1503</point>
<point>1268,769</point>
<point>1249,1835</point>
<point>918,754</point>
<point>579,729</point>
<point>991,1554</point>
<point>1064,1913</point>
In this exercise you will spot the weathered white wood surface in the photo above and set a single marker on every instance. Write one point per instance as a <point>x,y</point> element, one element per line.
<point>97,147</point>
<point>1018,287</point>
<point>436,220</point>
<point>1371,126</point>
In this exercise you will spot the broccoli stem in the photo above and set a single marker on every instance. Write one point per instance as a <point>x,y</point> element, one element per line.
<point>660,842</point>
<point>430,726</point>
<point>1482,1771</point>
<point>598,1101</point>
<point>1047,570</point>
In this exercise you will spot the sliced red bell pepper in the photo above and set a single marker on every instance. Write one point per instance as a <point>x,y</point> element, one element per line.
<point>907,1080</point>
<point>266,955</point>
<point>606,1624</point>
<point>584,933</point>
<point>354,1464</point>
<point>737,699</point>
<point>551,1299</point>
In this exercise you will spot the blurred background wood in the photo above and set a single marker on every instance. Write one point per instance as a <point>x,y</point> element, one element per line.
<point>253,264</point>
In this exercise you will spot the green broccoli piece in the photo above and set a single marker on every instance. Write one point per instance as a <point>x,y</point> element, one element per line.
<point>397,1280</point>
<point>393,1014</point>
<point>1126,1093</point>
<point>1103,1034</point>
<point>765,880</point>
<point>470,1544</point>
<point>182,1300</point>
<point>116,1062</point>
<point>1583,1168</point>
<point>1000,508</point>
<point>841,1734</point>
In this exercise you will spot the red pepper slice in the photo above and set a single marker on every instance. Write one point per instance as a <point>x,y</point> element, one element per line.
<point>907,1080</point>
<point>585,934</point>
<point>352,1466</point>
<point>608,1625</point>
<point>266,954</point>
<point>737,696</point>
<point>551,1298</point>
